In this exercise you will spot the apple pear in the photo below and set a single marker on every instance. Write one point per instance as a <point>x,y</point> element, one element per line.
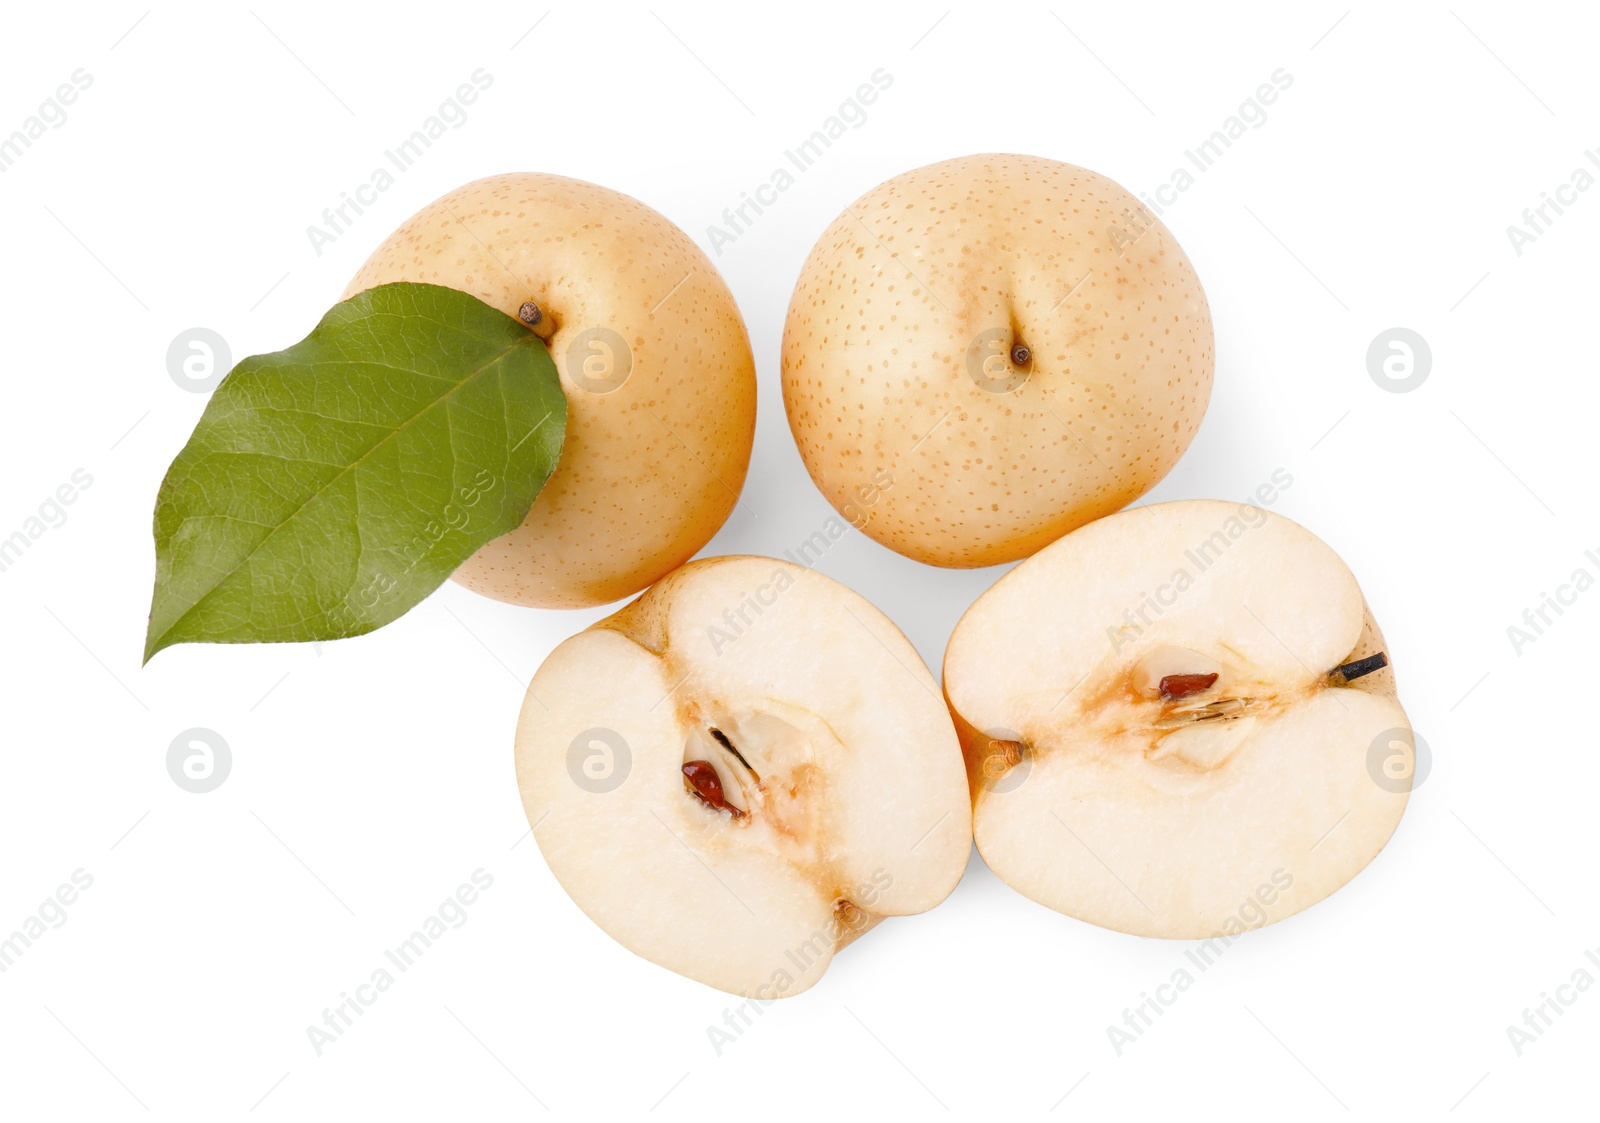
<point>1017,345</point>
<point>1179,721</point>
<point>653,358</point>
<point>741,771</point>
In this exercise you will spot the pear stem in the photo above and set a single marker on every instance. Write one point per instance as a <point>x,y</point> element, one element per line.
<point>1354,670</point>
<point>541,324</point>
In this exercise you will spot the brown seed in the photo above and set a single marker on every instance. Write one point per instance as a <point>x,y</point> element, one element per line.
<point>702,779</point>
<point>1182,686</point>
<point>529,313</point>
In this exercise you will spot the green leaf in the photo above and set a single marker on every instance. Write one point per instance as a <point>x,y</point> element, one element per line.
<point>330,487</point>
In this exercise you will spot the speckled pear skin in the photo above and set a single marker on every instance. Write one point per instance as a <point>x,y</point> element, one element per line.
<point>938,271</point>
<point>650,468</point>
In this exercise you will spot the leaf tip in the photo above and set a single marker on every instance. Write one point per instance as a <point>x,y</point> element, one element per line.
<point>152,644</point>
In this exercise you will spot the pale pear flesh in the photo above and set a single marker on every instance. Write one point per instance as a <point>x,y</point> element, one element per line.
<point>1186,817</point>
<point>846,797</point>
<point>654,361</point>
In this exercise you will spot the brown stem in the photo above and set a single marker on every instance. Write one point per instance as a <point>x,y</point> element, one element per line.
<point>540,322</point>
<point>1354,670</point>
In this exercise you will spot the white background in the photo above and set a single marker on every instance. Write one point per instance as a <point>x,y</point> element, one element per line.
<point>371,777</point>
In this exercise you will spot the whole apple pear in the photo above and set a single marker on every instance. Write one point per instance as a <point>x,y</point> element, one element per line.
<point>653,358</point>
<point>986,353</point>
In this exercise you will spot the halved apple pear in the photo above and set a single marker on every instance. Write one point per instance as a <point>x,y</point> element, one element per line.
<point>742,771</point>
<point>1170,718</point>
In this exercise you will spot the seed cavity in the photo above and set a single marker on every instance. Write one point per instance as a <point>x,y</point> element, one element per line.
<point>1214,711</point>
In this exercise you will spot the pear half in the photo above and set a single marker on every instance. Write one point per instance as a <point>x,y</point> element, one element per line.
<point>741,771</point>
<point>1177,722</point>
